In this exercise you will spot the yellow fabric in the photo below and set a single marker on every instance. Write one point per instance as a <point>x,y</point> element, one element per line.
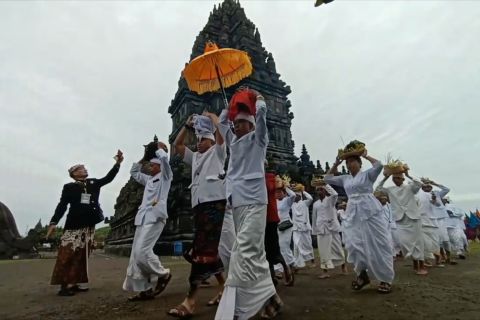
<point>233,66</point>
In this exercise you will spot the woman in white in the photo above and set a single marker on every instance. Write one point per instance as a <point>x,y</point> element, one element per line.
<point>302,229</point>
<point>326,227</point>
<point>285,199</point>
<point>368,240</point>
<point>429,228</point>
<point>456,229</point>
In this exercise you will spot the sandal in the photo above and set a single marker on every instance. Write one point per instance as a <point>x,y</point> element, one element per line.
<point>215,301</point>
<point>142,296</point>
<point>361,281</point>
<point>384,287</point>
<point>65,292</point>
<point>162,284</point>
<point>273,308</point>
<point>180,312</point>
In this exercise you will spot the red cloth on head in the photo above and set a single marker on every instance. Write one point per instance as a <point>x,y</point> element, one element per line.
<point>245,97</point>
<point>272,211</point>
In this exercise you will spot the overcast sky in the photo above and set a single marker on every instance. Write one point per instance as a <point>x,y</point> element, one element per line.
<point>80,79</point>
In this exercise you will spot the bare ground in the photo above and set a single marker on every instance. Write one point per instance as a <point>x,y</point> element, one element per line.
<point>449,293</point>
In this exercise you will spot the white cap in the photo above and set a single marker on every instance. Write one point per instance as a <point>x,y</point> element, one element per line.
<point>205,135</point>
<point>245,116</point>
<point>74,168</point>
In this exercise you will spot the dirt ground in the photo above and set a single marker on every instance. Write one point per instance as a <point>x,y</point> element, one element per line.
<point>449,293</point>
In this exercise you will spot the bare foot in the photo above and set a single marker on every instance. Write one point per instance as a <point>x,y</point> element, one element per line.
<point>421,272</point>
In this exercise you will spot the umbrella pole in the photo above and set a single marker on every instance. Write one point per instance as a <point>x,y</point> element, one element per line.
<point>221,86</point>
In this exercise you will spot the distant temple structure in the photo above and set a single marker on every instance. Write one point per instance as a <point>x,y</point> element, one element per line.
<point>12,245</point>
<point>229,27</point>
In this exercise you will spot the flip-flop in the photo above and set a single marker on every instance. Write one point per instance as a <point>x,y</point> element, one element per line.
<point>180,312</point>
<point>162,284</point>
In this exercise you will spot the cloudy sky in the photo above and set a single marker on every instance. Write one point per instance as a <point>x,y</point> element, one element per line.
<point>80,79</point>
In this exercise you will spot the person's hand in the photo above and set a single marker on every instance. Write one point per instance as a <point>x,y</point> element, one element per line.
<point>163,146</point>
<point>338,161</point>
<point>257,94</point>
<point>211,115</point>
<point>51,231</point>
<point>189,121</point>
<point>365,153</point>
<point>119,156</point>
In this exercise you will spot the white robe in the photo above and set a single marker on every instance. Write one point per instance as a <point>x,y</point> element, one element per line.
<point>326,227</point>
<point>430,230</point>
<point>227,239</point>
<point>392,227</point>
<point>302,237</point>
<point>456,229</point>
<point>368,240</point>
<point>406,213</point>
<point>249,284</point>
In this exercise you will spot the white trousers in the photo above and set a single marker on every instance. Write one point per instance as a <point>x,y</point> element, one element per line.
<point>284,240</point>
<point>145,267</point>
<point>410,236</point>
<point>330,250</point>
<point>302,247</point>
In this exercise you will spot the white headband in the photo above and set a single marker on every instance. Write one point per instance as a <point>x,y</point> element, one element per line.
<point>206,136</point>
<point>245,116</point>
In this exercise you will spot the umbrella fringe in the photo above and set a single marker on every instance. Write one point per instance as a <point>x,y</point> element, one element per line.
<point>202,86</point>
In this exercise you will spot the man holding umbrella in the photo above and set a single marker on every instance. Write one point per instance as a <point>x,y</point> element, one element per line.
<point>249,286</point>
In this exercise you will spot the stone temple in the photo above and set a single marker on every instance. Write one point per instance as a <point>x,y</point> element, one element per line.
<point>229,27</point>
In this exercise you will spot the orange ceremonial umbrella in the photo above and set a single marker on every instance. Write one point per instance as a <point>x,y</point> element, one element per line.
<point>320,2</point>
<point>217,69</point>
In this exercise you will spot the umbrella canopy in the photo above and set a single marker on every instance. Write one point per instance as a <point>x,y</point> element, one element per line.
<point>217,69</point>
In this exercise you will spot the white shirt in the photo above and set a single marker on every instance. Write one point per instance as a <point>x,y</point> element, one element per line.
<point>246,173</point>
<point>439,210</point>
<point>154,201</point>
<point>206,168</point>
<point>301,214</point>
<point>456,219</point>
<point>324,214</point>
<point>387,210</point>
<point>402,199</point>
<point>284,205</point>
<point>426,208</point>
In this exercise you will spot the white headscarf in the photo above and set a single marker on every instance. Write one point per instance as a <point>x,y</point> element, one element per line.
<point>204,127</point>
